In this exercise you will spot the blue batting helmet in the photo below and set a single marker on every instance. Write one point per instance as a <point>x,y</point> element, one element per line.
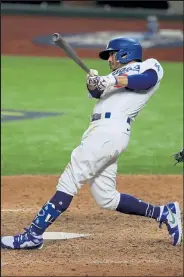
<point>128,47</point>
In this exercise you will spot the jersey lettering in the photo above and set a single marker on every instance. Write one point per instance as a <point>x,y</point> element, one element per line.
<point>123,70</point>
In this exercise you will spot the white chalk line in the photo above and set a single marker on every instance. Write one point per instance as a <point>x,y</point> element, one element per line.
<point>109,262</point>
<point>50,235</point>
<point>74,262</point>
<point>123,261</point>
<point>98,262</point>
<point>19,210</point>
<point>31,210</point>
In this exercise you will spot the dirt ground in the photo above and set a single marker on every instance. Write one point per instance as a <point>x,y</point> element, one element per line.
<point>118,245</point>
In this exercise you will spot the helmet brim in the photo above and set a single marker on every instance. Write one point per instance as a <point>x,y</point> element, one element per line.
<point>104,55</point>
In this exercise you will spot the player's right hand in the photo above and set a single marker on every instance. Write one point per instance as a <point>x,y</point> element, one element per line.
<point>92,81</point>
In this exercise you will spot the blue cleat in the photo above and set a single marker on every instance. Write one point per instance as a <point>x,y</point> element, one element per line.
<point>171,216</point>
<point>27,240</point>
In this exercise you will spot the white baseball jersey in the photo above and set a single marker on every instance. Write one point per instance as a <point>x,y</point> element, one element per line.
<point>95,160</point>
<point>125,103</point>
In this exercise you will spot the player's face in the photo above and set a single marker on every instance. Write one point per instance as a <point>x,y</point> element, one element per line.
<point>113,64</point>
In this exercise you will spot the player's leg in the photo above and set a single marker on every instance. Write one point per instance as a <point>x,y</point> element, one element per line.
<point>87,160</point>
<point>103,189</point>
<point>106,195</point>
<point>69,183</point>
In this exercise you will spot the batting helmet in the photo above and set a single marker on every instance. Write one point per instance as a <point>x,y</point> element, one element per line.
<point>128,47</point>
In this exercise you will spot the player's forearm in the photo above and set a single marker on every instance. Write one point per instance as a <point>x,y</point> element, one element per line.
<point>137,82</point>
<point>121,81</point>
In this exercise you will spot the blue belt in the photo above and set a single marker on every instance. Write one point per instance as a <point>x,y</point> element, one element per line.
<point>97,116</point>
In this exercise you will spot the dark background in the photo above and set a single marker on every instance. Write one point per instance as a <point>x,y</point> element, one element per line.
<point>126,4</point>
<point>136,4</point>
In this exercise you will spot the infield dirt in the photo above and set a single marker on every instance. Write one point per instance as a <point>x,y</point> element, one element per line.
<point>118,245</point>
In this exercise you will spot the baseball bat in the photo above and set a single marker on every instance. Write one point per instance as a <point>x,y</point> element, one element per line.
<point>63,44</point>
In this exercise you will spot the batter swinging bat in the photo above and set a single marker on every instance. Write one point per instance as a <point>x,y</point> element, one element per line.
<point>59,41</point>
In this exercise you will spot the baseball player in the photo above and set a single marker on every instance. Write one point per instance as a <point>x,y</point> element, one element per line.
<point>179,157</point>
<point>121,95</point>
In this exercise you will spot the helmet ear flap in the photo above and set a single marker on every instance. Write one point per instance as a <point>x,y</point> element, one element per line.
<point>120,54</point>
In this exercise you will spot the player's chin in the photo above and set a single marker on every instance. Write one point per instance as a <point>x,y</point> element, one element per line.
<point>111,67</point>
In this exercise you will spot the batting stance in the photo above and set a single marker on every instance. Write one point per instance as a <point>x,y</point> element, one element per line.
<point>121,95</point>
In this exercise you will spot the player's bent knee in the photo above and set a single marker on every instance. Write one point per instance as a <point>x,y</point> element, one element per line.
<point>67,183</point>
<point>109,202</point>
<point>66,186</point>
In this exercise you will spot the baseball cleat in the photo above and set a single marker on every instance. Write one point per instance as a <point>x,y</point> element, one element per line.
<point>171,216</point>
<point>27,240</point>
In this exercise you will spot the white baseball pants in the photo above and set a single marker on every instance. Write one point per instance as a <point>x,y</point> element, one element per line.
<point>94,162</point>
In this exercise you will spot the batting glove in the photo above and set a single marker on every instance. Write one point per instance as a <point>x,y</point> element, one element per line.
<point>89,80</point>
<point>92,73</point>
<point>102,82</point>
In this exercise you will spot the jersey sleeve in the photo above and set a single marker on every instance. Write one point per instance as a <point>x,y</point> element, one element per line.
<point>152,64</point>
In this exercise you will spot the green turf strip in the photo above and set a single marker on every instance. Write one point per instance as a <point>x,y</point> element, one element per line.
<point>44,145</point>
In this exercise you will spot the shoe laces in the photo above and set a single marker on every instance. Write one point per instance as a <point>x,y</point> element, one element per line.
<point>22,237</point>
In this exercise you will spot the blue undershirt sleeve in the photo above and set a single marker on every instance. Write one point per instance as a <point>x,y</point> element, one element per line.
<point>144,81</point>
<point>95,93</point>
